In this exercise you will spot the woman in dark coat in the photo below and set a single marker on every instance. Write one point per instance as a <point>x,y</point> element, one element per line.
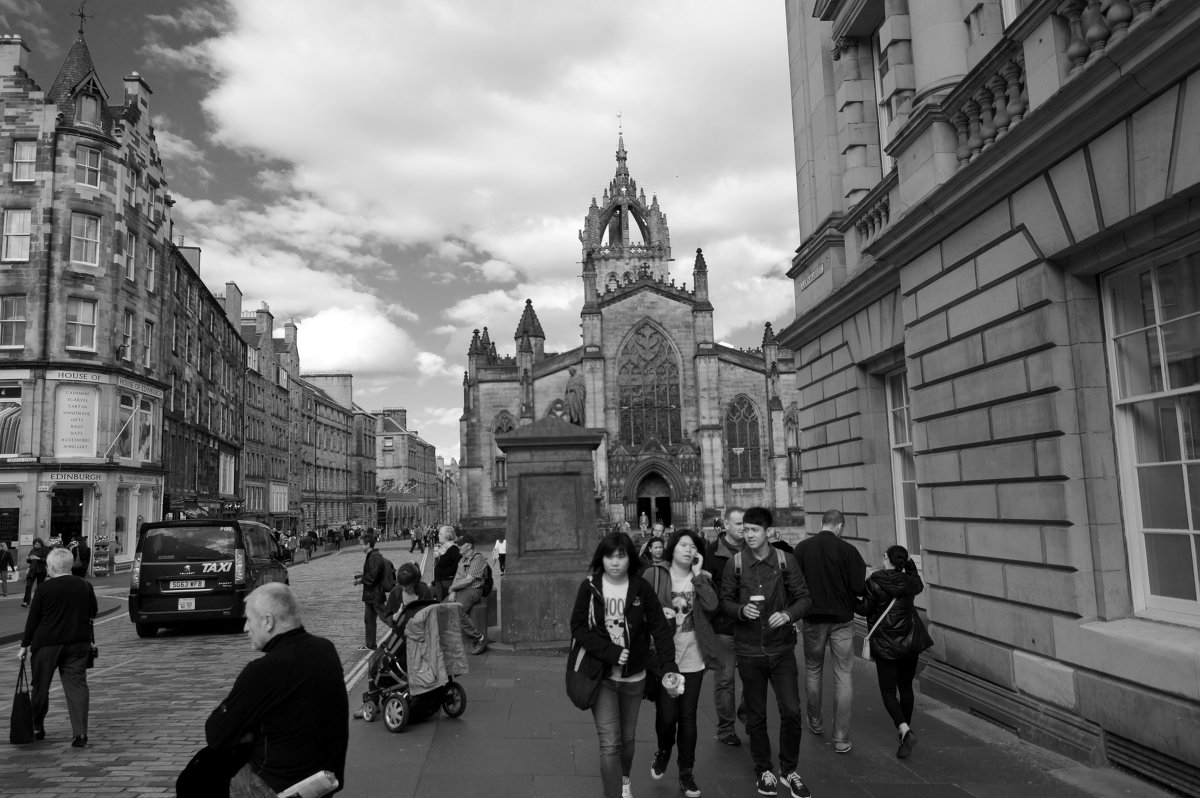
<point>624,615</point>
<point>36,572</point>
<point>898,641</point>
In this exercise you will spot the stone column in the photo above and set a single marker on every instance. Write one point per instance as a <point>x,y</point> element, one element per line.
<point>939,45</point>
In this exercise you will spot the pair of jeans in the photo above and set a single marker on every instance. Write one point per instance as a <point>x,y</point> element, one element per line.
<point>896,676</point>
<point>675,720</point>
<point>468,598</point>
<point>839,637</point>
<point>782,673</point>
<point>371,611</point>
<point>725,685</point>
<point>70,660</point>
<point>616,715</point>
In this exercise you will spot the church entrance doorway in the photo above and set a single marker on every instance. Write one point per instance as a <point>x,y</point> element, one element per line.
<point>654,499</point>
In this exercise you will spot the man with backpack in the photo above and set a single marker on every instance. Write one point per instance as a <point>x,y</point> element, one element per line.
<point>764,592</point>
<point>378,577</point>
<point>472,577</point>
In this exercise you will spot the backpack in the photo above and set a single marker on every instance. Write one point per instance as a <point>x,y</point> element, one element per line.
<point>737,562</point>
<point>487,579</point>
<point>389,575</point>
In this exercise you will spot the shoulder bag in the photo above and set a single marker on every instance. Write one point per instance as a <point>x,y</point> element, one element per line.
<point>20,730</point>
<point>866,646</point>
<point>585,672</point>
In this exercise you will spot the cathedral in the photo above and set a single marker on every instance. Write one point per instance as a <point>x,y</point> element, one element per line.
<point>691,426</point>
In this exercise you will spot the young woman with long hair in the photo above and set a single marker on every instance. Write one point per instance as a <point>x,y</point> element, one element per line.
<point>626,615</point>
<point>687,595</point>
<point>899,639</point>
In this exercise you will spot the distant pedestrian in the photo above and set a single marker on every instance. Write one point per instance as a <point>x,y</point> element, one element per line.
<point>35,568</point>
<point>58,634</point>
<point>716,560</point>
<point>778,542</point>
<point>297,725</point>
<point>764,592</point>
<point>85,556</point>
<point>687,596</point>
<point>898,640</point>
<point>373,594</point>
<point>466,589</point>
<point>445,563</point>
<point>626,616</point>
<point>417,541</point>
<point>834,572</point>
<point>498,552</point>
<point>8,565</point>
<point>651,552</point>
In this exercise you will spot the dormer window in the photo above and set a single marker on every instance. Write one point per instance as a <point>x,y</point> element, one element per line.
<point>87,110</point>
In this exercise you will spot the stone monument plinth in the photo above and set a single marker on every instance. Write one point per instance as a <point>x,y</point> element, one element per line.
<point>551,527</point>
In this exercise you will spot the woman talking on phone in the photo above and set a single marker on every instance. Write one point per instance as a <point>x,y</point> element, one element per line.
<point>687,596</point>
<point>624,615</point>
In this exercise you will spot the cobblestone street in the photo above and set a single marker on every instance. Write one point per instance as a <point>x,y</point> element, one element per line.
<point>150,697</point>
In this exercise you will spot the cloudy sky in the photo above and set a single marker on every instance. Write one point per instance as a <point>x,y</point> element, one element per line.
<point>394,173</point>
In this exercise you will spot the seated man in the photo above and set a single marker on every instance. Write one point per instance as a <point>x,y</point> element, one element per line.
<point>297,725</point>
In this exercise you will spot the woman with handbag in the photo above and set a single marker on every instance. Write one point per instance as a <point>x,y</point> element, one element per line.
<point>687,596</point>
<point>614,618</point>
<point>897,637</point>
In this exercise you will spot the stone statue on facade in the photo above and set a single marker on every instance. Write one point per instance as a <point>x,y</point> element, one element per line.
<point>576,394</point>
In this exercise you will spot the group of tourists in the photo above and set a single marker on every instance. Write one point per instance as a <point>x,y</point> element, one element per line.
<point>659,618</point>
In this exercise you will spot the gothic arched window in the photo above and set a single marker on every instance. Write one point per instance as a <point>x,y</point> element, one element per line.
<point>648,384</point>
<point>742,453</point>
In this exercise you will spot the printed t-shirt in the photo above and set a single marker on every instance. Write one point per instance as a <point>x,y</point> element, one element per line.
<point>683,601</point>
<point>614,624</point>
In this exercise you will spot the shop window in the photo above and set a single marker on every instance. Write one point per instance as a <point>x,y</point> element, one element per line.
<point>743,455</point>
<point>904,469</point>
<point>1153,335</point>
<point>10,419</point>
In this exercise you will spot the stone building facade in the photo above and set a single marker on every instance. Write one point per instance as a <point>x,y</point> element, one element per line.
<point>266,453</point>
<point>407,472</point>
<point>997,341</point>
<point>328,407</point>
<point>690,425</point>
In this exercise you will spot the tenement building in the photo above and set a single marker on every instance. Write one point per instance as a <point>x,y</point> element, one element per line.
<point>997,345</point>
<point>690,425</point>
<point>407,471</point>
<point>266,450</point>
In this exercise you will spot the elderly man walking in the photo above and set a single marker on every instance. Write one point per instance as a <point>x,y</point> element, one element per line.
<point>836,574</point>
<point>58,632</point>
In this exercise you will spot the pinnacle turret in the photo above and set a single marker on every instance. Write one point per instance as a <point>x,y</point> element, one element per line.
<point>529,324</point>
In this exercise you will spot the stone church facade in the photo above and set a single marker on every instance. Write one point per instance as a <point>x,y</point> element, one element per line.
<point>691,426</point>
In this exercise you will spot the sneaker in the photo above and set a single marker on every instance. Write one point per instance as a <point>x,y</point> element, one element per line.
<point>365,648</point>
<point>796,785</point>
<point>80,741</point>
<point>479,646</point>
<point>687,785</point>
<point>815,728</point>
<point>730,738</point>
<point>626,788</point>
<point>906,745</point>
<point>659,766</point>
<point>767,783</point>
<point>843,748</point>
<point>24,604</point>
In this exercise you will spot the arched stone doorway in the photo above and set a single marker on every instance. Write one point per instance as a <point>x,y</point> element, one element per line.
<point>654,499</point>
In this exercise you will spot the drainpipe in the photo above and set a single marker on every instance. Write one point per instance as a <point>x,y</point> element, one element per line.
<point>49,251</point>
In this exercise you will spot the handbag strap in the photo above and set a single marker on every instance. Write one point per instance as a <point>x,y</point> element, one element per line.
<point>881,617</point>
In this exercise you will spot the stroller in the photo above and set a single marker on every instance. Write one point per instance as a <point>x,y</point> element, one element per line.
<point>411,676</point>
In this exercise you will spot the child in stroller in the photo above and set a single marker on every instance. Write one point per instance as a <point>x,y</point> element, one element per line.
<point>411,675</point>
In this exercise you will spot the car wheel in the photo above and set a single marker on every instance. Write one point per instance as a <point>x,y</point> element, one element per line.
<point>396,713</point>
<point>146,629</point>
<point>454,702</point>
<point>370,711</point>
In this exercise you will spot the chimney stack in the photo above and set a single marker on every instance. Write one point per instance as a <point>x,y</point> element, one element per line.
<point>14,52</point>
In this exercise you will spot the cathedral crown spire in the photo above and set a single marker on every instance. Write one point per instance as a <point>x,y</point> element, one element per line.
<point>622,166</point>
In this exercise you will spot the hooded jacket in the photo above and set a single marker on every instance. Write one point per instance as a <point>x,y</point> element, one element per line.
<point>901,634</point>
<point>659,577</point>
<point>717,555</point>
<point>643,619</point>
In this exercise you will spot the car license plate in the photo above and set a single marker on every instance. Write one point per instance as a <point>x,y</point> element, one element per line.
<point>187,604</point>
<point>190,584</point>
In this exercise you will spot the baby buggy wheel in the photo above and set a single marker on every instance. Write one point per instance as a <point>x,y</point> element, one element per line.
<point>396,713</point>
<point>454,702</point>
<point>370,711</point>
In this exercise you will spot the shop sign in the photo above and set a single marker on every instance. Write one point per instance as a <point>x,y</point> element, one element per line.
<point>72,476</point>
<point>8,524</point>
<point>812,276</point>
<point>75,376</point>
<point>140,387</point>
<point>19,459</point>
<point>75,421</point>
<point>138,479</point>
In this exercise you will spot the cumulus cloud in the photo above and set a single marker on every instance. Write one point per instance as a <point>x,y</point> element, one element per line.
<point>433,366</point>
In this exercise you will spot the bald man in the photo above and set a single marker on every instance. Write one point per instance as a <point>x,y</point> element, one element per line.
<point>290,703</point>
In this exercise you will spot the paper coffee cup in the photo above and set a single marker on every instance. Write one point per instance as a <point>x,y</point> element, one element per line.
<point>758,601</point>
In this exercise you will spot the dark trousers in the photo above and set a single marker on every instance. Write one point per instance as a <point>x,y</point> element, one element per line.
<point>29,586</point>
<point>441,588</point>
<point>371,611</point>
<point>896,676</point>
<point>783,675</point>
<point>675,719</point>
<point>70,660</point>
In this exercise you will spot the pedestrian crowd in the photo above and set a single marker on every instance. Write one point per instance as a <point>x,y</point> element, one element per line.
<point>656,617</point>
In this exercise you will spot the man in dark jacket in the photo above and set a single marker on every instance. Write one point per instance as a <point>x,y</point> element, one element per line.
<point>291,702</point>
<point>835,573</point>
<point>58,630</point>
<point>373,594</point>
<point>445,565</point>
<point>764,592</point>
<point>716,559</point>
